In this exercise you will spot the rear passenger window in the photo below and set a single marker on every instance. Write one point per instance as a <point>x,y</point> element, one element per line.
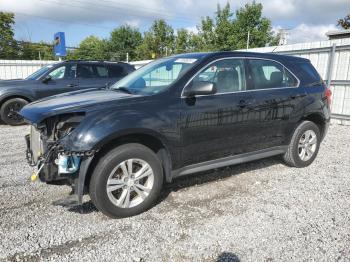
<point>117,71</point>
<point>268,74</point>
<point>92,71</point>
<point>101,71</point>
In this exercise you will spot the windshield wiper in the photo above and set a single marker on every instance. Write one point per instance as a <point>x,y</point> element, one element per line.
<point>123,89</point>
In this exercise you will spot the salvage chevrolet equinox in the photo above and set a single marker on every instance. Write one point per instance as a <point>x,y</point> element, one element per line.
<point>177,116</point>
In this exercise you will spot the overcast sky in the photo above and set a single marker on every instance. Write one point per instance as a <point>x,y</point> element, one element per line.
<point>308,20</point>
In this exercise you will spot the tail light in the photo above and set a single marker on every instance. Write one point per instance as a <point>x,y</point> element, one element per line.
<point>328,95</point>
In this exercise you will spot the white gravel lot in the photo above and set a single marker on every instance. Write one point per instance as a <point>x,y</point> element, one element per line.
<point>259,211</point>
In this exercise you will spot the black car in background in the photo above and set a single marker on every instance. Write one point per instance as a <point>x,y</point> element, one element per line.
<point>177,116</point>
<point>55,79</point>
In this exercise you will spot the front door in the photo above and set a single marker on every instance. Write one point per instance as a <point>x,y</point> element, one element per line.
<point>61,80</point>
<point>219,125</point>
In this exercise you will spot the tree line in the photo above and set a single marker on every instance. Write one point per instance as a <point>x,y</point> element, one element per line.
<point>225,30</point>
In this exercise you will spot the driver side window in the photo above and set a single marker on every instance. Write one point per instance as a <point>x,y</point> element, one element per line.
<point>228,75</point>
<point>63,72</point>
<point>58,73</point>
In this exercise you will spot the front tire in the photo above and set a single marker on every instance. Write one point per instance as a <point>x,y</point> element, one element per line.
<point>126,181</point>
<point>10,109</point>
<point>304,145</point>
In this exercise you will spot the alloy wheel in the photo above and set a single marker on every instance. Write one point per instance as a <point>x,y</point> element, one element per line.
<point>130,183</point>
<point>12,111</point>
<point>307,145</point>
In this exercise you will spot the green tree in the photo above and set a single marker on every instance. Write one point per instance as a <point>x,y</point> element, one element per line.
<point>91,48</point>
<point>123,40</point>
<point>224,28</point>
<point>182,41</point>
<point>226,32</point>
<point>158,41</point>
<point>344,22</point>
<point>206,40</point>
<point>216,32</point>
<point>8,45</point>
<point>250,19</point>
<point>35,51</point>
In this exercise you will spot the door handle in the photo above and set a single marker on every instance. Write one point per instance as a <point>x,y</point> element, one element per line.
<point>72,85</point>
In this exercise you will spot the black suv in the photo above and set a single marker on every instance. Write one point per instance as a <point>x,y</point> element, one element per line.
<point>173,117</point>
<point>55,79</point>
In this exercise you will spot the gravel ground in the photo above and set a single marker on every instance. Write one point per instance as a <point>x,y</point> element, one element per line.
<point>259,211</point>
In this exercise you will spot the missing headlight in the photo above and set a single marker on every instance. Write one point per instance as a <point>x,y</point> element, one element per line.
<point>66,124</point>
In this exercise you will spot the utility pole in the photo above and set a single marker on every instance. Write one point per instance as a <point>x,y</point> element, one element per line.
<point>127,57</point>
<point>248,40</point>
<point>283,36</point>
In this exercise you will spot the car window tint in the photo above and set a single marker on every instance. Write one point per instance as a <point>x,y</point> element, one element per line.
<point>92,71</point>
<point>228,75</point>
<point>63,72</point>
<point>268,74</point>
<point>308,73</point>
<point>117,71</point>
<point>162,76</point>
<point>101,71</point>
<point>85,71</point>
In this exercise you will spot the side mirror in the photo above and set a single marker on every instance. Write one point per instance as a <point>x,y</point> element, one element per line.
<point>200,88</point>
<point>46,79</point>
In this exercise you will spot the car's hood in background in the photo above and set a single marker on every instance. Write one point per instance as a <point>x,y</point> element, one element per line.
<point>15,83</point>
<point>78,101</point>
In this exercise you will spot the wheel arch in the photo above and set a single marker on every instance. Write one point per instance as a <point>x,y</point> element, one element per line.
<point>8,97</point>
<point>151,141</point>
<point>317,119</point>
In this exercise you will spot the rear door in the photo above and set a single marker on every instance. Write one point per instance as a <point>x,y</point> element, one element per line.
<point>116,72</point>
<point>62,80</point>
<point>277,102</point>
<point>91,75</point>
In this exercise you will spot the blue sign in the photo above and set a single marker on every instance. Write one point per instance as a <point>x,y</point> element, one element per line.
<point>60,44</point>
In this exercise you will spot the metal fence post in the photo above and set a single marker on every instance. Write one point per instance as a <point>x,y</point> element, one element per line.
<point>330,65</point>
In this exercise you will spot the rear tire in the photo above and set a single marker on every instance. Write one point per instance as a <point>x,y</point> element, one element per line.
<point>120,191</point>
<point>304,145</point>
<point>10,109</point>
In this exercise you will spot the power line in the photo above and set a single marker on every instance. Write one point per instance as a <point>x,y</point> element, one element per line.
<point>44,44</point>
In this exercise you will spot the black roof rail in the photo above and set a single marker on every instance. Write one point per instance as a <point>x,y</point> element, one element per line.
<point>92,61</point>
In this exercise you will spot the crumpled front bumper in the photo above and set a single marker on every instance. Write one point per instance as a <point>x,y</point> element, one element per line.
<point>53,165</point>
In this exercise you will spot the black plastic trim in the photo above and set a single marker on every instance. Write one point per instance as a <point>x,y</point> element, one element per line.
<point>227,161</point>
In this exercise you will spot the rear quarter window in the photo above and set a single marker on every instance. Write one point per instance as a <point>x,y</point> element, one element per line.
<point>308,74</point>
<point>117,71</point>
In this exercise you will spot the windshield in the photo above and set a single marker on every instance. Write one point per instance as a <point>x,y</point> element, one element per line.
<point>156,76</point>
<point>39,73</point>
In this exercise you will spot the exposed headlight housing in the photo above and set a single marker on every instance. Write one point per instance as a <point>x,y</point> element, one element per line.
<point>66,124</point>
